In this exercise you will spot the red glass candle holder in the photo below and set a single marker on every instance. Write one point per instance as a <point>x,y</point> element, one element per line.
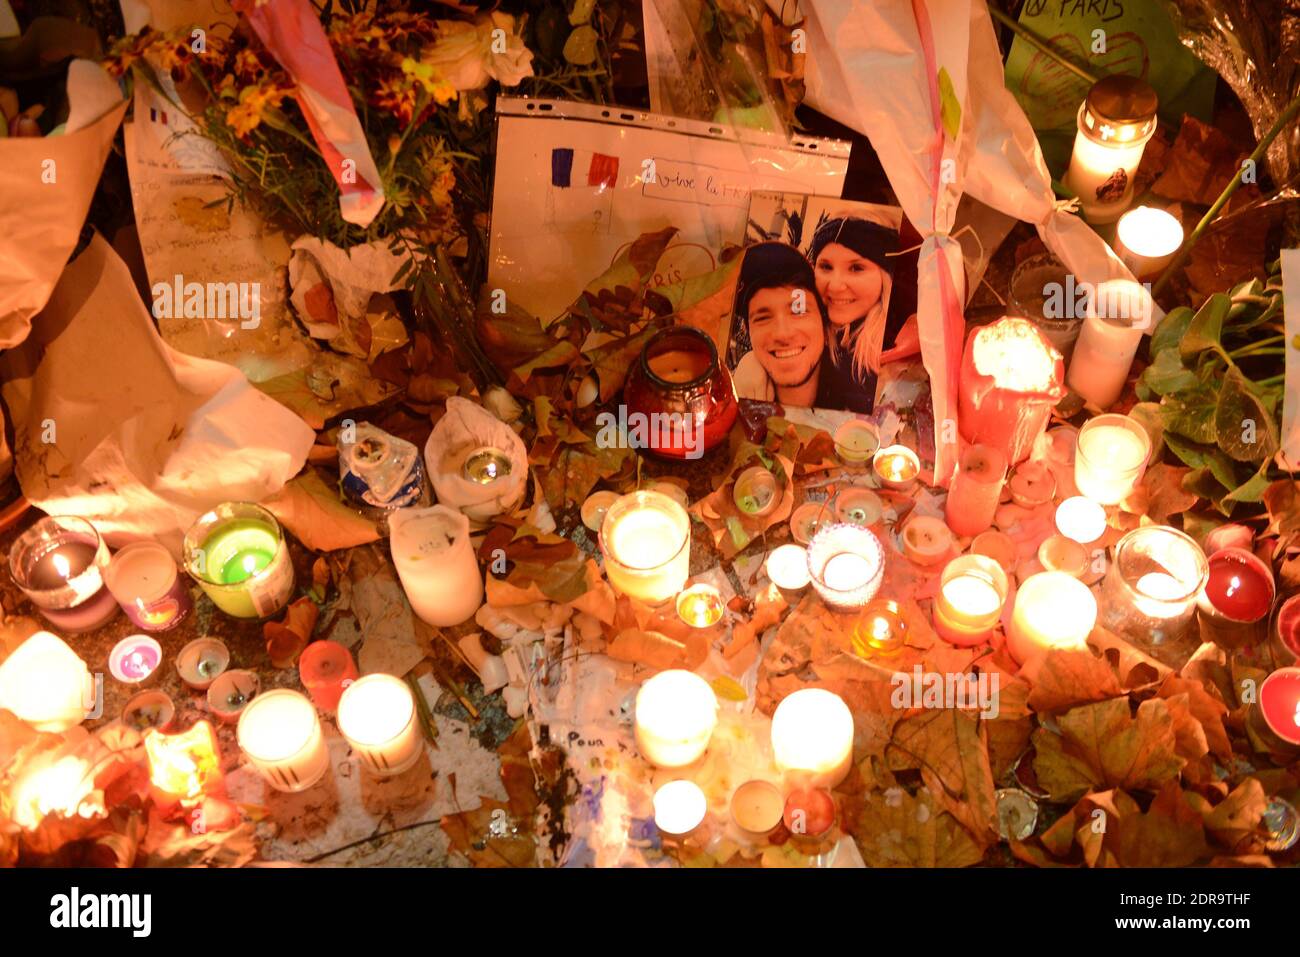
<point>326,669</point>
<point>679,397</point>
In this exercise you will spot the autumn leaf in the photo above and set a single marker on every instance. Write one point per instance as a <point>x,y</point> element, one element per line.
<point>1066,678</point>
<point>286,639</point>
<point>896,829</point>
<point>1208,709</point>
<point>947,746</point>
<point>1235,822</point>
<point>1112,830</point>
<point>313,512</point>
<point>489,837</point>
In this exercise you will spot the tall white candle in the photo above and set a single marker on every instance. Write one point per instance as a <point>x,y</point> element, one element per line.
<point>812,738</point>
<point>1111,458</point>
<point>1053,610</point>
<point>646,540</point>
<point>676,712</point>
<point>436,562</point>
<point>1119,311</point>
<point>281,736</point>
<point>376,715</point>
<point>45,684</point>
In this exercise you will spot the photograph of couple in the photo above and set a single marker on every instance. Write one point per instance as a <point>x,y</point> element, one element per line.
<point>808,320</point>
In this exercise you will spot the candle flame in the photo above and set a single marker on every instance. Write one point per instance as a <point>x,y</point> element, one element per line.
<point>1233,586</point>
<point>250,564</point>
<point>61,565</point>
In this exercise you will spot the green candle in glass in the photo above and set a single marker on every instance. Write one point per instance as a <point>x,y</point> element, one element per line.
<point>237,555</point>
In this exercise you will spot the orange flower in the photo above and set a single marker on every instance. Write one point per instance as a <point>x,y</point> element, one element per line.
<point>254,101</point>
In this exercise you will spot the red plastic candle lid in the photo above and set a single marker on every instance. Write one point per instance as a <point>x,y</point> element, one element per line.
<point>324,666</point>
<point>1279,701</point>
<point>1240,586</point>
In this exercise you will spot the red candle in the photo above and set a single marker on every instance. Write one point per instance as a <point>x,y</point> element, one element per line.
<point>976,488</point>
<point>809,812</point>
<point>1237,598</point>
<point>1279,704</point>
<point>1285,641</point>
<point>326,669</point>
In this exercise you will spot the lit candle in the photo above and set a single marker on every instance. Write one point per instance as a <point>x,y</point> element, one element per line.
<point>680,808</point>
<point>183,767</point>
<point>59,564</point>
<point>1284,638</point>
<point>476,464</point>
<point>927,540</point>
<point>812,738</point>
<point>896,467</point>
<point>1149,592</point>
<point>756,807</point>
<point>701,606</point>
<point>54,783</point>
<point>1111,458</point>
<point>846,565</point>
<point>1052,611</point>
<point>326,668</point>
<point>1010,380</point>
<point>676,712</point>
<point>856,441</point>
<point>972,591</point>
<point>147,585</point>
<point>436,563</point>
<point>1279,707</point>
<point>787,567</point>
<point>238,555</point>
<point>646,541</point>
<point>1237,598</point>
<point>45,684</point>
<point>377,717</point>
<point>281,736</point>
<point>1115,122</point>
<point>756,491</point>
<point>976,488</point>
<point>1118,312</point>
<point>1147,239</point>
<point>1081,519</point>
<point>880,629</point>
<point>201,662</point>
<point>1058,553</point>
<point>231,693</point>
<point>134,658</point>
<point>486,465</point>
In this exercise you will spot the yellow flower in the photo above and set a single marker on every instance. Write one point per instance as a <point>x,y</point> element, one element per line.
<point>254,101</point>
<point>424,74</point>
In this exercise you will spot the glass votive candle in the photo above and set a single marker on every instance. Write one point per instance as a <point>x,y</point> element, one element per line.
<point>1147,239</point>
<point>701,606</point>
<point>676,712</point>
<point>1030,296</point>
<point>972,591</point>
<point>1237,598</point>
<point>1149,592</point>
<point>680,808</point>
<point>856,441</point>
<point>1053,611</point>
<point>239,557</point>
<point>134,659</point>
<point>756,491</point>
<point>646,543</point>
<point>377,716</point>
<point>147,585</point>
<point>1110,458</point>
<point>846,566</point>
<point>59,564</point>
<point>858,506</point>
<point>201,662</point>
<point>812,738</point>
<point>880,630</point>
<point>281,736</point>
<point>326,669</point>
<point>1275,716</point>
<point>896,467</point>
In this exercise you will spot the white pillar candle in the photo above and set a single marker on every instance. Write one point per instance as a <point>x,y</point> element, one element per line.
<point>45,684</point>
<point>646,541</point>
<point>1146,240</point>
<point>1114,124</point>
<point>1118,312</point>
<point>680,807</point>
<point>676,712</point>
<point>1111,458</point>
<point>1081,519</point>
<point>1053,611</point>
<point>436,562</point>
<point>281,736</point>
<point>812,738</point>
<point>376,715</point>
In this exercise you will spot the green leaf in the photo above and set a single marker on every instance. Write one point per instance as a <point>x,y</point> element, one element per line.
<point>1192,415</point>
<point>1171,329</point>
<point>1243,423</point>
<point>949,106</point>
<point>1167,374</point>
<point>1147,415</point>
<point>580,48</point>
<point>1202,484</point>
<point>1252,490</point>
<point>1193,454</point>
<point>1206,328</point>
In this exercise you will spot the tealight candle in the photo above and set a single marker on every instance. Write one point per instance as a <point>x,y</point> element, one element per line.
<point>676,712</point>
<point>858,506</point>
<point>807,518</point>
<point>756,807</point>
<point>996,545</point>
<point>1058,553</point>
<point>201,661</point>
<point>1237,598</point>
<point>1284,635</point>
<point>896,467</point>
<point>183,767</point>
<point>881,629</point>
<point>846,565</point>
<point>134,659</point>
<point>326,668</point>
<point>238,555</point>
<point>1146,240</point>
<point>812,738</point>
<point>147,585</point>
<point>927,540</point>
<point>377,717</point>
<point>856,441</point>
<point>595,507</point>
<point>646,542</point>
<point>1081,519</point>
<point>436,563</point>
<point>59,564</point>
<point>1149,592</point>
<point>45,684</point>
<point>149,709</point>
<point>1111,458</point>
<point>1118,312</point>
<point>976,488</point>
<point>1115,122</point>
<point>787,567</point>
<point>680,808</point>
<point>231,693</point>
<point>701,606</point>
<point>281,736</point>
<point>972,591</point>
<point>1279,706</point>
<point>1052,611</point>
<point>485,465</point>
<point>1032,484</point>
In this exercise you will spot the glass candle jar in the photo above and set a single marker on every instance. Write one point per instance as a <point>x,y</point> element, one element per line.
<point>1115,122</point>
<point>679,397</point>
<point>972,591</point>
<point>1053,611</point>
<point>676,712</point>
<point>812,738</point>
<point>59,563</point>
<point>1149,592</point>
<point>646,542</point>
<point>1042,292</point>
<point>1111,458</point>
<point>147,585</point>
<point>376,715</point>
<point>281,736</point>
<point>846,565</point>
<point>1146,240</point>
<point>239,557</point>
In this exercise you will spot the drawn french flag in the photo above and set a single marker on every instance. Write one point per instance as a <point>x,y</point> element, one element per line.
<point>292,32</point>
<point>598,168</point>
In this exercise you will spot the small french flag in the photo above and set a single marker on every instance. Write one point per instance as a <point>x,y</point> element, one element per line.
<point>158,116</point>
<point>601,170</point>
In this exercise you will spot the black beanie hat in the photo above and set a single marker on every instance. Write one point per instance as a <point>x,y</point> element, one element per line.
<point>869,240</point>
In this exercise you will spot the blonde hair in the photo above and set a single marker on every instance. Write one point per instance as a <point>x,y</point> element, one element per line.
<point>863,349</point>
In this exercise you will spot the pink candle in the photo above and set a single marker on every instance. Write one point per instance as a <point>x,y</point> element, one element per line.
<point>1279,704</point>
<point>976,488</point>
<point>1237,598</point>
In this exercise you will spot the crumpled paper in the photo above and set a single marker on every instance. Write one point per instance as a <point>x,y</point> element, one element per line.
<point>46,184</point>
<point>113,425</point>
<point>466,427</point>
<point>338,295</point>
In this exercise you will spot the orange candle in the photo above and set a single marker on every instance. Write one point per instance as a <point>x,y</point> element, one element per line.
<point>326,668</point>
<point>976,488</point>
